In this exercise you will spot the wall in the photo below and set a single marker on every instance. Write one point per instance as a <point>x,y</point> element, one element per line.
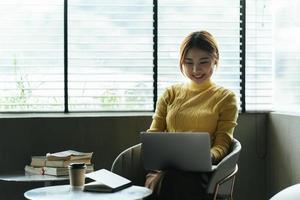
<point>107,136</point>
<point>251,181</point>
<point>283,161</point>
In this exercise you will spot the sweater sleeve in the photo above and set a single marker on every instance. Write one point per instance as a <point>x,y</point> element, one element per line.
<point>159,118</point>
<point>225,127</point>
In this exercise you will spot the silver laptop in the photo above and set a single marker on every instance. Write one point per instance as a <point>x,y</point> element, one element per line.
<point>181,150</point>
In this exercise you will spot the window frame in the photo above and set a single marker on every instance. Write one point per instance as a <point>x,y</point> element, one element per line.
<point>155,61</point>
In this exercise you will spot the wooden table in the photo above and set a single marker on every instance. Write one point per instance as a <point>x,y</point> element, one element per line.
<point>65,192</point>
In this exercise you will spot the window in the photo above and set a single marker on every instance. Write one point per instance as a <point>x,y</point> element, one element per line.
<point>112,55</point>
<point>31,55</point>
<point>287,51</point>
<point>176,19</point>
<point>259,55</point>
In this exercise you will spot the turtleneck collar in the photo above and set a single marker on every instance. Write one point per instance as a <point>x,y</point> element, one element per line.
<point>199,87</point>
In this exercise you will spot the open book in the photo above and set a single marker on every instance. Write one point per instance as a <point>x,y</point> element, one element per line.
<point>106,181</point>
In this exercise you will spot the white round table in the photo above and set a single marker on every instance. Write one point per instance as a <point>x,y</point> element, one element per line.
<point>289,193</point>
<point>65,192</point>
<point>27,177</point>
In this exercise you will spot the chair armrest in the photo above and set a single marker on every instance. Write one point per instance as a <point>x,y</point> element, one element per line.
<point>225,167</point>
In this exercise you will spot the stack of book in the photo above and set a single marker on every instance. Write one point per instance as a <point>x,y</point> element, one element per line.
<point>57,163</point>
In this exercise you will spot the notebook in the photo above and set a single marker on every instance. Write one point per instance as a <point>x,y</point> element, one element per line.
<point>188,151</point>
<point>106,181</point>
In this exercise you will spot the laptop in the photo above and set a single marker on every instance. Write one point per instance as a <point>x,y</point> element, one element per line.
<point>187,151</point>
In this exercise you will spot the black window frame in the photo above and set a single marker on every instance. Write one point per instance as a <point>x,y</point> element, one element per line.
<point>155,51</point>
<point>242,49</point>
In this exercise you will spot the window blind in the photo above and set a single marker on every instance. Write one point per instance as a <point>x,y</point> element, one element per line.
<point>176,19</point>
<point>259,56</point>
<point>287,51</point>
<point>110,55</point>
<point>31,55</point>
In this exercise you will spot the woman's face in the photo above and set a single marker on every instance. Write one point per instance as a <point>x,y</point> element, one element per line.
<point>198,65</point>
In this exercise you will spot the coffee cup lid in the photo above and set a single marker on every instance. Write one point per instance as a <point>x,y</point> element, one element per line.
<point>77,166</point>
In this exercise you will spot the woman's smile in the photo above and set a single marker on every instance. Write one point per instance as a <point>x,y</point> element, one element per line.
<point>198,65</point>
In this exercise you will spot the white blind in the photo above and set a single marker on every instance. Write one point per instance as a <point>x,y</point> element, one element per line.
<point>176,19</point>
<point>31,55</point>
<point>259,55</point>
<point>287,52</point>
<point>110,55</point>
<point>111,52</point>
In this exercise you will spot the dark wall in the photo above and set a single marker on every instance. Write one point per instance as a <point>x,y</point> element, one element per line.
<point>283,163</point>
<point>107,137</point>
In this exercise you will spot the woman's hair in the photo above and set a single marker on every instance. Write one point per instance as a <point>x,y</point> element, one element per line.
<point>201,40</point>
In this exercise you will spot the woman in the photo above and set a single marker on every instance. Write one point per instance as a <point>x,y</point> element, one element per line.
<point>198,105</point>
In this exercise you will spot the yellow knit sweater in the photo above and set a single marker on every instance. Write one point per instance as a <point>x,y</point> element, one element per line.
<point>198,107</point>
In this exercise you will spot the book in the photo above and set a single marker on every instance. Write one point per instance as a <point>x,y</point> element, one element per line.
<point>69,155</point>
<point>38,161</point>
<point>34,170</point>
<point>63,171</point>
<point>65,163</point>
<point>55,171</point>
<point>106,181</point>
